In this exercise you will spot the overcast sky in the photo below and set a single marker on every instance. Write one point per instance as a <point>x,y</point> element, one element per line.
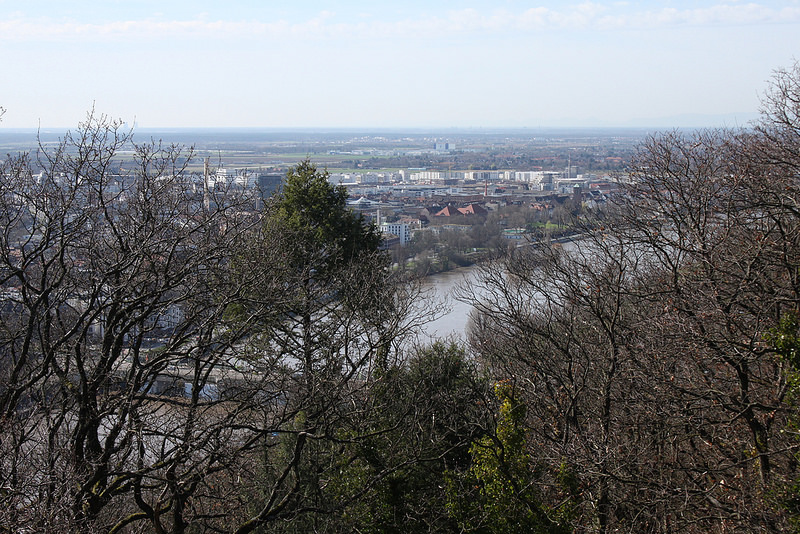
<point>411,63</point>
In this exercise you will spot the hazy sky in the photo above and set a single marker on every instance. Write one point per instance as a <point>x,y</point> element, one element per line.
<point>411,63</point>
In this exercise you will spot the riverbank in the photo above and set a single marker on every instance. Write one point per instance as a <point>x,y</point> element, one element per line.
<point>450,261</point>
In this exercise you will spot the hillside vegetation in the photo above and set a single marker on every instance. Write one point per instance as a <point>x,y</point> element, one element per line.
<point>180,358</point>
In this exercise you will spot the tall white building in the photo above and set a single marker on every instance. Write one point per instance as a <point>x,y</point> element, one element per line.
<point>401,230</point>
<point>537,179</point>
<point>444,147</point>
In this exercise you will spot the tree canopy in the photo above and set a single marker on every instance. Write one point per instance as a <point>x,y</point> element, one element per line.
<point>316,212</point>
<point>653,354</point>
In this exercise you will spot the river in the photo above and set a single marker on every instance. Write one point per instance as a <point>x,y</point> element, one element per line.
<point>453,320</point>
<point>455,314</point>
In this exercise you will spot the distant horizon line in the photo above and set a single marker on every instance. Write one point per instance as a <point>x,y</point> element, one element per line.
<point>688,121</point>
<point>340,128</point>
<point>386,129</point>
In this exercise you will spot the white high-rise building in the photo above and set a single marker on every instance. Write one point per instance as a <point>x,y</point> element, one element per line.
<point>401,230</point>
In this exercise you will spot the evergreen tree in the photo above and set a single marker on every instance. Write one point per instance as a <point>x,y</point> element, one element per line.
<point>325,231</point>
<point>498,493</point>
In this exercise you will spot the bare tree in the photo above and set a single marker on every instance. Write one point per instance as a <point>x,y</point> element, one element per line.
<point>168,359</point>
<point>113,336</point>
<point>724,253</point>
<point>641,350</point>
<point>562,324</point>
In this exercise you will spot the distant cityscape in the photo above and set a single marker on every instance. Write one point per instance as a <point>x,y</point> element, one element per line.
<point>409,181</point>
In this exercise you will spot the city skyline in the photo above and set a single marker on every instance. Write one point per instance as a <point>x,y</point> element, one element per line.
<point>353,64</point>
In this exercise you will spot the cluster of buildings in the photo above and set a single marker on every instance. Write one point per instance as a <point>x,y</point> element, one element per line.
<point>404,201</point>
<point>560,181</point>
